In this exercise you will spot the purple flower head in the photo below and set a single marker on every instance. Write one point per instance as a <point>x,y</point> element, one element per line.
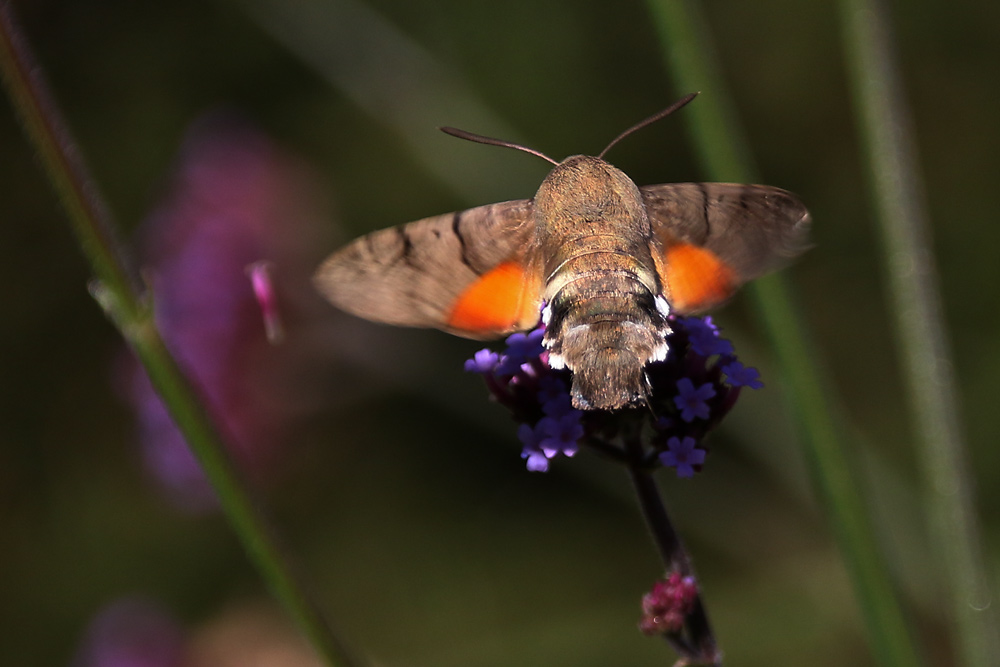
<point>704,336</point>
<point>739,375</point>
<point>691,400</point>
<point>666,607</point>
<point>233,199</point>
<point>683,454</point>
<point>689,392</point>
<point>132,633</point>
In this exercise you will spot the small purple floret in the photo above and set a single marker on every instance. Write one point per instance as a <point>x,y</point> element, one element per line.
<point>521,349</point>
<point>535,458</point>
<point>739,375</point>
<point>704,337</point>
<point>485,361</point>
<point>683,454</point>
<point>691,401</point>
<point>561,435</point>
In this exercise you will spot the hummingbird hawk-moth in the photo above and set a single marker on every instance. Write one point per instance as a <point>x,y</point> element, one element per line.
<point>609,261</point>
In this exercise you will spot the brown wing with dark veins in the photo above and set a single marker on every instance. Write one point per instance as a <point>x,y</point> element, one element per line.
<point>466,272</point>
<point>712,237</point>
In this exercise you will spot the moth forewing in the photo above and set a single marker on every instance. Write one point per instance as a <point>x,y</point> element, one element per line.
<point>415,274</point>
<point>753,229</point>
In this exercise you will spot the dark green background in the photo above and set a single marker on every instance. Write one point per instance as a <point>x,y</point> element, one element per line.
<point>409,506</point>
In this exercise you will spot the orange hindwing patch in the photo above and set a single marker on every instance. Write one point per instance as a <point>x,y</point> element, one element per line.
<point>501,300</point>
<point>696,278</point>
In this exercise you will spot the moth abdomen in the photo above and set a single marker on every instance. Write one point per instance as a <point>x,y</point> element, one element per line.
<point>608,379</point>
<point>605,327</point>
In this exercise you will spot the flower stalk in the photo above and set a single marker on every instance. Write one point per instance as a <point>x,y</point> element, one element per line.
<point>697,644</point>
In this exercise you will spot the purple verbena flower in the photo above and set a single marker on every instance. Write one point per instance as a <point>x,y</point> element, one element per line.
<point>739,375</point>
<point>683,454</point>
<point>690,391</point>
<point>132,633</point>
<point>691,401</point>
<point>234,197</point>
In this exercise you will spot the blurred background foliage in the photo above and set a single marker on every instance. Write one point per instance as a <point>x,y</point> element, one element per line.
<point>400,488</point>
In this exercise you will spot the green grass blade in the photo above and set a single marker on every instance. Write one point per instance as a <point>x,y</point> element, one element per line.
<point>117,291</point>
<point>924,349</point>
<point>723,152</point>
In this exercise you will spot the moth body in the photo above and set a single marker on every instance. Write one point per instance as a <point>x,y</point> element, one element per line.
<point>604,321</point>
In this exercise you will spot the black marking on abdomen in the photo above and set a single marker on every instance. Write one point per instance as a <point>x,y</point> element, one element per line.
<point>589,306</point>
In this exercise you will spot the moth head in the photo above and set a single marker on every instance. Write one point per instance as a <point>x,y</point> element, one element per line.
<point>586,187</point>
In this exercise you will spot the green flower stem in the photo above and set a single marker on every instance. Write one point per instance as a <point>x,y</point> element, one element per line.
<point>925,351</point>
<point>723,153</point>
<point>117,291</point>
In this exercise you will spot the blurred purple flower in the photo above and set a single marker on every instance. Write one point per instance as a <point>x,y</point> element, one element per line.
<point>234,199</point>
<point>132,633</point>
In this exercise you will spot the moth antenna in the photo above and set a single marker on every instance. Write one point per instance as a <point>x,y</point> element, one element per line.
<point>480,139</point>
<point>649,121</point>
